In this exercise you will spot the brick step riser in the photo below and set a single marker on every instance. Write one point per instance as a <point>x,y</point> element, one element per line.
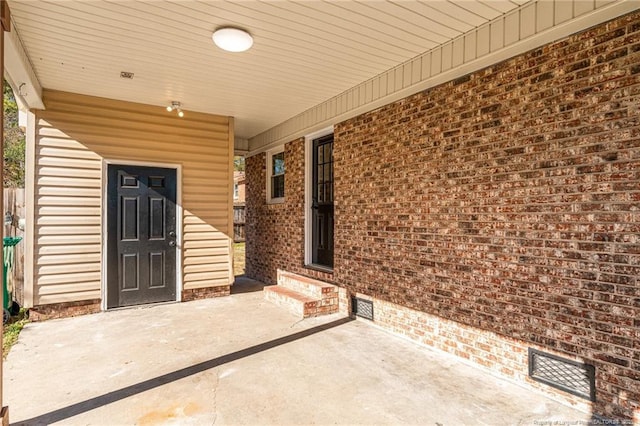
<point>301,308</point>
<point>311,290</point>
<point>295,306</point>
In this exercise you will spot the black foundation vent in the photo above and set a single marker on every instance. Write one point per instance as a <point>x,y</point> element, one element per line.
<point>564,374</point>
<point>362,307</point>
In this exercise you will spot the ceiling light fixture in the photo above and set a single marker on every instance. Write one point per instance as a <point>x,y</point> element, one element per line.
<point>232,39</point>
<point>175,106</point>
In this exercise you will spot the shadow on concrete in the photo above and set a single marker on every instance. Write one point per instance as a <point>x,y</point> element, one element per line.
<point>117,395</point>
<point>243,284</point>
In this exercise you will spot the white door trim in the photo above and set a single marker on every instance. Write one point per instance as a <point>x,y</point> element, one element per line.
<point>308,191</point>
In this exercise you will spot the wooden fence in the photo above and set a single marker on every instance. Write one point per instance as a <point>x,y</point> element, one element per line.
<point>238,223</point>
<point>13,216</point>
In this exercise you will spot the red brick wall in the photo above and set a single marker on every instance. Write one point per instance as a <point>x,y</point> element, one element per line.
<point>507,202</point>
<point>205,293</point>
<point>276,230</point>
<point>64,310</point>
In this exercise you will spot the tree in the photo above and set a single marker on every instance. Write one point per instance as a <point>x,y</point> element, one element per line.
<point>14,142</point>
<point>238,163</point>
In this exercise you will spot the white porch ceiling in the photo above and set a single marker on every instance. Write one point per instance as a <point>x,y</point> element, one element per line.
<point>304,53</point>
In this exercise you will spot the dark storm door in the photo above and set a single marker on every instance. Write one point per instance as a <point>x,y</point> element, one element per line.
<point>322,202</point>
<point>141,242</point>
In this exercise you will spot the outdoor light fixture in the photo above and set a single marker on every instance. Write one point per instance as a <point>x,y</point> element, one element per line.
<point>232,39</point>
<point>175,106</point>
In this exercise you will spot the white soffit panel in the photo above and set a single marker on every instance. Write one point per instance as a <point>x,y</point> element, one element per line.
<point>304,52</point>
<point>530,26</point>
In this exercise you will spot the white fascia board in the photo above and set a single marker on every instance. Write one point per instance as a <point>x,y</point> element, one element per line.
<point>20,74</point>
<point>240,145</point>
<point>22,119</point>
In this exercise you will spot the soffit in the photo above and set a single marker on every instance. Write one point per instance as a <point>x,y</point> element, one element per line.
<point>528,27</point>
<point>304,52</point>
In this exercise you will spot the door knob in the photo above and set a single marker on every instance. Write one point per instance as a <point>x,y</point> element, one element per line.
<point>172,234</point>
<point>172,243</point>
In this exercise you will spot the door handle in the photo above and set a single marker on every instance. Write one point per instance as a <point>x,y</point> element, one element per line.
<point>172,234</point>
<point>172,243</point>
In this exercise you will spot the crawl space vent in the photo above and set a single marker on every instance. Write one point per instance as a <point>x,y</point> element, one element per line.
<point>362,307</point>
<point>564,374</point>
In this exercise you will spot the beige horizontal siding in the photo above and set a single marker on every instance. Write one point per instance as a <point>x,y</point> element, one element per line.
<point>52,254</point>
<point>62,259</point>
<point>73,136</point>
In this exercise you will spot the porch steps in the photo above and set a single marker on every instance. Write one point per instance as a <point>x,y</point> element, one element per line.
<point>303,296</point>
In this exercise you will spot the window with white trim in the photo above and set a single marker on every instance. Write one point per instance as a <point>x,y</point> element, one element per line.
<point>275,175</point>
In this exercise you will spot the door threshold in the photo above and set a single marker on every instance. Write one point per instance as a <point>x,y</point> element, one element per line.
<point>142,306</point>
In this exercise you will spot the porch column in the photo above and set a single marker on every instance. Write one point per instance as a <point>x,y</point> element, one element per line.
<point>5,23</point>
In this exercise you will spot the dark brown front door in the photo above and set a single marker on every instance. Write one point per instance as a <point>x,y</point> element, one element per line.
<point>141,242</point>
<point>322,202</point>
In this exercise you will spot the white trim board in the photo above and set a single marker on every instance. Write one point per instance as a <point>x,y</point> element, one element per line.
<point>269,159</point>
<point>308,190</point>
<point>30,212</point>
<point>20,74</point>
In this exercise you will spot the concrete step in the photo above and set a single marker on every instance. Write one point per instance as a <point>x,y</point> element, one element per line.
<point>308,286</point>
<point>306,297</point>
<point>298,303</point>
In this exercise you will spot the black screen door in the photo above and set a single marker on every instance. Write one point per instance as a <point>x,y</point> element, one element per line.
<point>322,202</point>
<point>141,242</point>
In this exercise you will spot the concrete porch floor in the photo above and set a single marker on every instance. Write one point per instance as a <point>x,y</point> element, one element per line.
<point>241,360</point>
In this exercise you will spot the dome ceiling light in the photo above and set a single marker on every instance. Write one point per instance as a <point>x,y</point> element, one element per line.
<point>232,39</point>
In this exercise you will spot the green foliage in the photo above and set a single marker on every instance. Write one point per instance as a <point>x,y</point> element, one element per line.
<point>10,105</point>
<point>14,142</point>
<point>238,163</point>
<point>12,330</point>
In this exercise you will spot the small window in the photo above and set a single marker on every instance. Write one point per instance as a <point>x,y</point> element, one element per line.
<point>236,191</point>
<point>275,176</point>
